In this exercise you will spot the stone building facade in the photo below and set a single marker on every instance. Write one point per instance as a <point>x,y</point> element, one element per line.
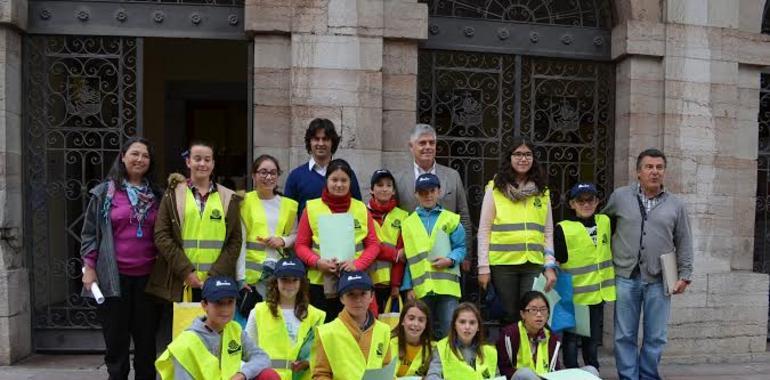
<point>684,76</point>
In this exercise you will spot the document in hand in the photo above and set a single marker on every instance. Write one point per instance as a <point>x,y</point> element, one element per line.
<point>669,270</point>
<point>337,236</point>
<point>551,295</point>
<point>570,374</point>
<point>582,321</point>
<point>442,246</point>
<point>385,373</point>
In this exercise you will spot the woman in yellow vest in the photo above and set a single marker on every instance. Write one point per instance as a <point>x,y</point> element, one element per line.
<point>198,230</point>
<point>582,248</point>
<point>269,226</point>
<point>464,355</point>
<point>515,238</point>
<point>355,341</point>
<point>388,271</point>
<point>411,340</point>
<point>284,325</point>
<point>322,273</point>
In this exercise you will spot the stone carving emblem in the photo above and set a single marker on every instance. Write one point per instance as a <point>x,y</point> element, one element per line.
<point>84,96</point>
<point>467,109</point>
<point>564,115</point>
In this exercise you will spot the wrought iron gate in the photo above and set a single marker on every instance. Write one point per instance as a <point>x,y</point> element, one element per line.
<point>762,217</point>
<point>82,101</point>
<point>492,70</point>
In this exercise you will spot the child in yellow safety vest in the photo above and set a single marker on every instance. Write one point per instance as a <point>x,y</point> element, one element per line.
<point>215,347</point>
<point>411,341</point>
<point>582,247</point>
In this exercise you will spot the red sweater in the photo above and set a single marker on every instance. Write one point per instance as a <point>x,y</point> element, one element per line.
<point>303,246</point>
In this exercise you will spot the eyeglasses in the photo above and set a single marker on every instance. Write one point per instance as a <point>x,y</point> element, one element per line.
<point>522,155</point>
<point>537,310</point>
<point>268,173</point>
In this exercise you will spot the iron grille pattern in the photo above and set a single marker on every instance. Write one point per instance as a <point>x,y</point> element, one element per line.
<point>479,102</point>
<point>583,13</point>
<point>81,105</point>
<point>762,215</point>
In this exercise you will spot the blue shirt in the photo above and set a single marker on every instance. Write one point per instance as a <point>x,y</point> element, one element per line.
<point>304,184</point>
<point>428,217</point>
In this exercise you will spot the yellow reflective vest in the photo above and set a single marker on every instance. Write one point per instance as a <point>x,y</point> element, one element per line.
<point>189,350</point>
<point>455,368</point>
<point>315,208</point>
<point>274,337</point>
<point>593,276</point>
<point>345,357</point>
<point>517,235</point>
<point>255,221</point>
<point>388,234</point>
<point>524,355</point>
<point>417,248</point>
<point>203,234</point>
<point>415,367</point>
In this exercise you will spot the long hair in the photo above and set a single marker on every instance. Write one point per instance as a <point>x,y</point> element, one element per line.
<point>478,340</point>
<point>506,176</point>
<point>425,338</point>
<point>259,161</point>
<point>328,127</point>
<point>118,174</point>
<point>273,298</point>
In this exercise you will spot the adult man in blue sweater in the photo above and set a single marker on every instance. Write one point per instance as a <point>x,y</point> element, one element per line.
<point>307,181</point>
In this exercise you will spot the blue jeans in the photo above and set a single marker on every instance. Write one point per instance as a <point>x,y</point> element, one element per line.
<point>635,297</point>
<point>441,309</point>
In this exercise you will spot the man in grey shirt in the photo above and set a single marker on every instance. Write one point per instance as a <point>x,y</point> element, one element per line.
<point>648,222</point>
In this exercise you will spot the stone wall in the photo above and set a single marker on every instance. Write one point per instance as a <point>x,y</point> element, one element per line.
<point>351,61</point>
<point>15,338</point>
<point>688,75</point>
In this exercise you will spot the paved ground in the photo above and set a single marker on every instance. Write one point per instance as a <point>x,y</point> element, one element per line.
<point>90,367</point>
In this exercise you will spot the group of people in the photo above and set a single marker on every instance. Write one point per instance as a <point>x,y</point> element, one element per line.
<point>257,257</point>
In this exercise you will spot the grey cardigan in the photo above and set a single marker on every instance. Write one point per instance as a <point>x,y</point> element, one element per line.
<point>666,230</point>
<point>96,235</point>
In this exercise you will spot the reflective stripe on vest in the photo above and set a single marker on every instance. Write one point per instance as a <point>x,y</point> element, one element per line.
<point>455,368</point>
<point>315,208</point>
<point>524,355</point>
<point>274,337</point>
<point>415,367</point>
<point>388,234</point>
<point>517,234</point>
<point>417,246</point>
<point>190,352</point>
<point>255,222</point>
<point>203,235</point>
<point>344,354</point>
<point>593,275</point>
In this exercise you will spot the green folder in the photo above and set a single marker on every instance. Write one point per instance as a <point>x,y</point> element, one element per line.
<point>551,295</point>
<point>385,373</point>
<point>582,321</point>
<point>441,246</point>
<point>337,235</point>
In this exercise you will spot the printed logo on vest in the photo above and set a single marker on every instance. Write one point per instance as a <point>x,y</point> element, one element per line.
<point>485,374</point>
<point>604,238</point>
<point>396,224</point>
<point>538,203</point>
<point>380,349</point>
<point>216,215</point>
<point>356,225</point>
<point>233,347</point>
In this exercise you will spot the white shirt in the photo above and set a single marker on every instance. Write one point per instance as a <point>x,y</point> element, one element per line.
<point>418,170</point>
<point>312,165</point>
<point>292,323</point>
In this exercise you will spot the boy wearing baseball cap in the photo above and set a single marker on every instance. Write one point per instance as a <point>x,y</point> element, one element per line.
<point>435,281</point>
<point>215,347</point>
<point>582,247</point>
<point>355,341</point>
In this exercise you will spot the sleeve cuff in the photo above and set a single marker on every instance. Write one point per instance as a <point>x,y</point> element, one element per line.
<point>484,269</point>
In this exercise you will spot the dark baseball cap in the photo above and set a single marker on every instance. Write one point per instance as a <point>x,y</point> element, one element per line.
<point>380,174</point>
<point>289,267</point>
<point>426,181</point>
<point>354,280</point>
<point>583,188</point>
<point>219,287</point>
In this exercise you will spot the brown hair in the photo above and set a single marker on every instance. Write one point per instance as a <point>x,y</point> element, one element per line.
<point>259,161</point>
<point>273,298</point>
<point>425,338</point>
<point>478,339</point>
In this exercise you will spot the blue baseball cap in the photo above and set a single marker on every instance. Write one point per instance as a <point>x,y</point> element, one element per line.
<point>380,174</point>
<point>583,188</point>
<point>219,287</point>
<point>354,280</point>
<point>426,181</point>
<point>289,267</point>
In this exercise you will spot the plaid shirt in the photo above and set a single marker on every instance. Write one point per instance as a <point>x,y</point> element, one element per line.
<point>200,200</point>
<point>649,203</point>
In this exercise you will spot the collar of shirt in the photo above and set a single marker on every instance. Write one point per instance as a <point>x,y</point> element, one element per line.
<point>312,165</point>
<point>212,187</point>
<point>421,211</point>
<point>641,193</point>
<point>418,170</point>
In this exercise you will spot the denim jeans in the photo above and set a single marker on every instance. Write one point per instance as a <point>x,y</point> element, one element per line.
<point>441,309</point>
<point>635,297</point>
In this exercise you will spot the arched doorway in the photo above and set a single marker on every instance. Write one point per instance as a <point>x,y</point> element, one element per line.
<point>762,217</point>
<point>494,69</point>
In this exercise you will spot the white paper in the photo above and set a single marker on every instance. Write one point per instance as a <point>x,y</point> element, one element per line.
<point>551,295</point>
<point>669,270</point>
<point>95,291</point>
<point>570,374</point>
<point>385,373</point>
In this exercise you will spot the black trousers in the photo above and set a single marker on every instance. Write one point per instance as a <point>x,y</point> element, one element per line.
<point>132,316</point>
<point>331,306</point>
<point>511,282</point>
<point>589,345</point>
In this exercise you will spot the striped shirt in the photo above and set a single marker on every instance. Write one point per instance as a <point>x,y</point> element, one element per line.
<point>649,203</point>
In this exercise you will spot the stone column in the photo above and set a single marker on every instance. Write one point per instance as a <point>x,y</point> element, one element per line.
<point>15,329</point>
<point>337,59</point>
<point>688,83</point>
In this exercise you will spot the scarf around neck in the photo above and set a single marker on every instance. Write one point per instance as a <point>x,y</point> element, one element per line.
<point>380,211</point>
<point>140,197</point>
<point>335,203</point>
<point>518,193</point>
